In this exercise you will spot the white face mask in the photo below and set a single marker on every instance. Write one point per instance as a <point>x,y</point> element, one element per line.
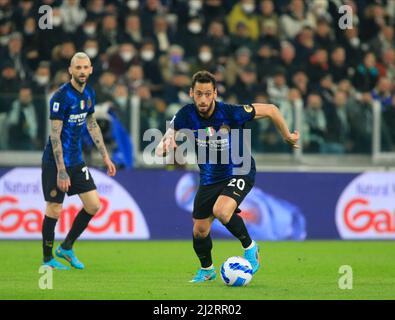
<point>195,4</point>
<point>147,55</point>
<point>42,80</point>
<point>195,27</point>
<point>248,7</point>
<point>133,4</point>
<point>121,100</point>
<point>205,56</point>
<point>355,42</point>
<point>91,52</point>
<point>90,30</point>
<point>126,56</point>
<point>56,21</point>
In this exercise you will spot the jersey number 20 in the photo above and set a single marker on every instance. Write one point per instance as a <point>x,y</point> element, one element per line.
<point>239,183</point>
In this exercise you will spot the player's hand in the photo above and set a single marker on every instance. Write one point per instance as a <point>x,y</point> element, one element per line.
<point>63,180</point>
<point>169,143</point>
<point>292,139</point>
<point>111,169</point>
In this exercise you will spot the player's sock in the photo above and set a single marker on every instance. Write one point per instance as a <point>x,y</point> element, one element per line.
<point>202,247</point>
<point>80,223</point>
<point>237,227</point>
<point>48,233</point>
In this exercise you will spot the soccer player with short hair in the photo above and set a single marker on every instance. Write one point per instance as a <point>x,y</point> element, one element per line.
<point>63,168</point>
<point>221,188</point>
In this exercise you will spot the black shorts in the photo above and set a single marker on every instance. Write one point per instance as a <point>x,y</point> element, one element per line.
<point>236,188</point>
<point>80,178</point>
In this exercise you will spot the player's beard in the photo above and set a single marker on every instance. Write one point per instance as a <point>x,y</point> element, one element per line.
<point>204,111</point>
<point>80,81</point>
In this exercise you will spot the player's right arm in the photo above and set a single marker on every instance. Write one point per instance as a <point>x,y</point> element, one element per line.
<point>271,111</point>
<point>167,143</point>
<point>57,116</point>
<point>63,180</point>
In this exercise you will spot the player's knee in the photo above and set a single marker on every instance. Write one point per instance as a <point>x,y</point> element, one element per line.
<point>92,208</point>
<point>53,210</point>
<point>200,231</point>
<point>222,214</point>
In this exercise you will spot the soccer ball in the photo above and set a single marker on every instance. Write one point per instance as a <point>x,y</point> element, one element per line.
<point>236,272</point>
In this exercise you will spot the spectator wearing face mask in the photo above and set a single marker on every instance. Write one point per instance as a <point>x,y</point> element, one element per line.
<point>204,60</point>
<point>173,62</point>
<point>186,11</point>
<point>121,105</point>
<point>193,35</point>
<point>88,30</point>
<point>121,59</point>
<point>244,12</point>
<point>50,38</point>
<point>41,78</point>
<point>91,48</point>
<point>151,67</point>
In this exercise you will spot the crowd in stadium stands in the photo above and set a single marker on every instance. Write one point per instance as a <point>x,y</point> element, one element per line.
<point>285,52</point>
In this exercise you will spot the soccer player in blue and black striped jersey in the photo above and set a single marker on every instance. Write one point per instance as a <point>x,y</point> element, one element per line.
<point>217,129</point>
<point>63,169</point>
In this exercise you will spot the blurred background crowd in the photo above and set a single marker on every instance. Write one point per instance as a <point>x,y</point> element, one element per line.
<point>286,52</point>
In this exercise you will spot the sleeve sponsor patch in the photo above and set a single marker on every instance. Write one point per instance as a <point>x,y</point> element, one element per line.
<point>55,107</point>
<point>247,108</point>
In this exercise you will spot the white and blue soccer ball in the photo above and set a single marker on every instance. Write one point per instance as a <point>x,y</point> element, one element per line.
<point>236,272</point>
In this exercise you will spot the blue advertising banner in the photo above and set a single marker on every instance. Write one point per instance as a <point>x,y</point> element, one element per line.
<point>157,204</point>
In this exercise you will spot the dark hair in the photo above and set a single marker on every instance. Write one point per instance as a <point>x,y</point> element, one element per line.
<point>203,77</point>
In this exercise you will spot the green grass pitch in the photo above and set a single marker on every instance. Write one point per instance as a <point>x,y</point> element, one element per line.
<point>149,270</point>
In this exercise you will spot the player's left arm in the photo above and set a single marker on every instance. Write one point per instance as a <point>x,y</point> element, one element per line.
<point>271,111</point>
<point>97,137</point>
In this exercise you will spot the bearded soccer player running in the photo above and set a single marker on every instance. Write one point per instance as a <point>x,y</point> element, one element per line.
<point>63,169</point>
<point>222,188</point>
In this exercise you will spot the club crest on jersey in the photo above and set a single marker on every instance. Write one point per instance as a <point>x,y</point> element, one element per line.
<point>247,108</point>
<point>224,129</point>
<point>89,103</point>
<point>82,104</point>
<point>210,131</point>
